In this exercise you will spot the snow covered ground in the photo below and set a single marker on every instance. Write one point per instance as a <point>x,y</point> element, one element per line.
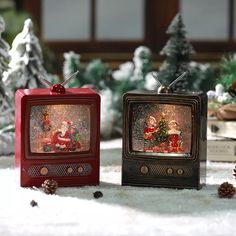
<point>121,211</point>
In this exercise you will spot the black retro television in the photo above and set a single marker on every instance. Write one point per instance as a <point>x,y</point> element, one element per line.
<point>164,139</point>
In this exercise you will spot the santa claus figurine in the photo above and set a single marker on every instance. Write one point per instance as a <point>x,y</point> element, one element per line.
<point>66,138</point>
<point>174,137</point>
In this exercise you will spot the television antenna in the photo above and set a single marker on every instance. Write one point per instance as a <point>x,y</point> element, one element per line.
<point>167,89</point>
<point>57,88</point>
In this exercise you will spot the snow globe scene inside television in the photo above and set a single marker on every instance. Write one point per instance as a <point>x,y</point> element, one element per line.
<point>163,129</point>
<point>59,128</point>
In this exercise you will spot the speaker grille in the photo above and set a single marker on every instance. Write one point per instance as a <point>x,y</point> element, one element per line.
<point>160,170</point>
<point>60,170</point>
<point>164,170</point>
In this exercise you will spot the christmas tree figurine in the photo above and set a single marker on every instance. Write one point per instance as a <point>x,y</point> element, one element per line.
<point>162,134</point>
<point>178,51</point>
<point>26,60</point>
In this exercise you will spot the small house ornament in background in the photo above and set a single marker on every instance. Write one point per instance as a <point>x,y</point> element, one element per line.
<point>164,138</point>
<point>57,135</point>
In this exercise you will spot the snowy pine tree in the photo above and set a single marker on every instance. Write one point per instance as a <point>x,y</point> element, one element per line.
<point>6,110</point>
<point>4,49</point>
<point>70,66</point>
<point>142,64</point>
<point>26,60</point>
<point>98,73</point>
<point>178,51</point>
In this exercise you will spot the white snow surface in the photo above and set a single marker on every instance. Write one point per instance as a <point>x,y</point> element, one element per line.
<point>122,210</point>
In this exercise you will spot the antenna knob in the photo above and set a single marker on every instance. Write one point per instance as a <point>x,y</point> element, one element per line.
<point>164,89</point>
<point>58,88</point>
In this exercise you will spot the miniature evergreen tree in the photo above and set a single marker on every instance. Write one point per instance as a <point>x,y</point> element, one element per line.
<point>6,110</point>
<point>98,74</point>
<point>4,56</point>
<point>4,49</point>
<point>5,102</point>
<point>178,51</point>
<point>142,65</point>
<point>203,77</point>
<point>227,71</point>
<point>70,66</point>
<point>129,77</point>
<point>26,60</point>
<point>162,133</point>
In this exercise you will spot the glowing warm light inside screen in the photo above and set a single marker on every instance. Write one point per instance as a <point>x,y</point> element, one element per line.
<point>59,128</point>
<point>161,128</point>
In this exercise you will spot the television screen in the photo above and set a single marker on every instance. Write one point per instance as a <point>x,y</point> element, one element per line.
<point>59,128</point>
<point>161,129</point>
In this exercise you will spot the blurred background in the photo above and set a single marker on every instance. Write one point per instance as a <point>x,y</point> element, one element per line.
<point>111,29</point>
<point>119,46</point>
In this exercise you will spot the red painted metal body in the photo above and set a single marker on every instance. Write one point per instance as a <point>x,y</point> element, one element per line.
<point>67,168</point>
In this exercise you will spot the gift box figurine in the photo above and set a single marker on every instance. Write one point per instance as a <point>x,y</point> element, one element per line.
<point>57,135</point>
<point>164,138</point>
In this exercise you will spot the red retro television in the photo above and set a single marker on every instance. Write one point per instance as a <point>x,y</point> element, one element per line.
<point>164,139</point>
<point>57,136</point>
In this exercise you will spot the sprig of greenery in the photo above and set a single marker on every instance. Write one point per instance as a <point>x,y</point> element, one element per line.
<point>227,71</point>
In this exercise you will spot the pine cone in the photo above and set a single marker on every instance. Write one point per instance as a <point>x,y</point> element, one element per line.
<point>234,172</point>
<point>49,186</point>
<point>33,203</point>
<point>97,194</point>
<point>226,190</point>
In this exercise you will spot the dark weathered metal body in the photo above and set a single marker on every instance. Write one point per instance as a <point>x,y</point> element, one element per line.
<point>145,169</point>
